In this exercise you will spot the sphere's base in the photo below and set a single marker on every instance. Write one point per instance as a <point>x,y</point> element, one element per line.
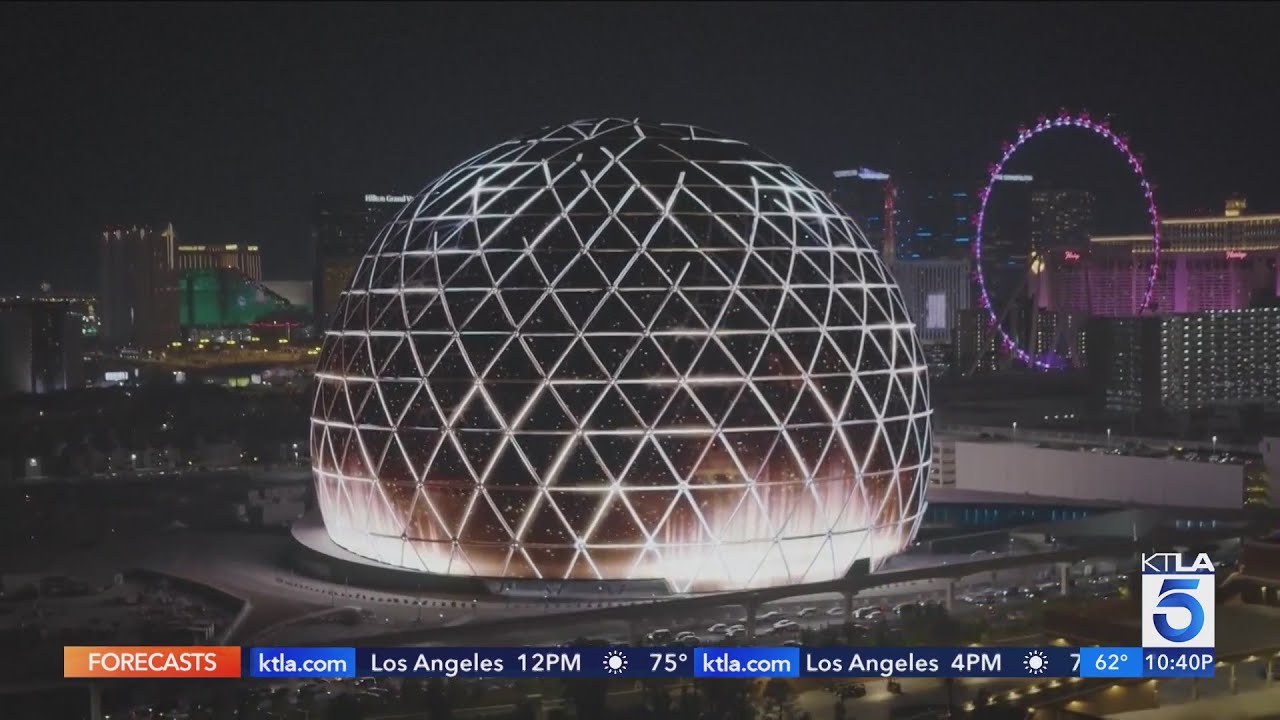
<point>316,554</point>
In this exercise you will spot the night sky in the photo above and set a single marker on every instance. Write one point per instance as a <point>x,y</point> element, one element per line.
<point>225,119</point>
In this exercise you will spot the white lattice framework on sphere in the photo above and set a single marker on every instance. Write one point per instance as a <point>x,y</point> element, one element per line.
<point>616,350</point>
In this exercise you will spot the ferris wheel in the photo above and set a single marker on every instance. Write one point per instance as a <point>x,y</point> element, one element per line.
<point>998,315</point>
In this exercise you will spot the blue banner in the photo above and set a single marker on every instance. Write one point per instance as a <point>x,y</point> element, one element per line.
<point>589,661</point>
<point>746,662</point>
<point>1098,662</point>
<point>969,662</point>
<point>317,662</point>
<point>1177,663</point>
<point>683,662</point>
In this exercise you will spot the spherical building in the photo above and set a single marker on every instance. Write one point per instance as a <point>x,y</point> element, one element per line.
<point>622,351</point>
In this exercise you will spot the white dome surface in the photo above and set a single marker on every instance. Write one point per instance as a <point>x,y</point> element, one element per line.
<point>622,351</point>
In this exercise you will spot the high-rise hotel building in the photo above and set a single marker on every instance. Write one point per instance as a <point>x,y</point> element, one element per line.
<point>245,258</point>
<point>1229,262</point>
<point>139,286</point>
<point>1178,363</point>
<point>41,346</point>
<point>935,293</point>
<point>342,228</point>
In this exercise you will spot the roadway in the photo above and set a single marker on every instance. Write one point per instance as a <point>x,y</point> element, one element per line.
<point>697,606</point>
<point>279,598</point>
<point>847,587</point>
<point>249,567</point>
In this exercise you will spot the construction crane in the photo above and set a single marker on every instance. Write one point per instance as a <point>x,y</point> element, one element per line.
<point>890,249</point>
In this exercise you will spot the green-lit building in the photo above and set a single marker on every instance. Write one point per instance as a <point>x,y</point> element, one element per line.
<point>224,298</point>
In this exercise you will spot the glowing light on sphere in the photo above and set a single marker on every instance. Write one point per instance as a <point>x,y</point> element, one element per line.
<point>996,173</point>
<point>616,350</point>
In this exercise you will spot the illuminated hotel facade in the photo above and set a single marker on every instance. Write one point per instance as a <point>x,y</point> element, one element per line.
<point>1178,363</point>
<point>1207,264</point>
<point>245,258</point>
<point>1210,337</point>
<point>935,292</point>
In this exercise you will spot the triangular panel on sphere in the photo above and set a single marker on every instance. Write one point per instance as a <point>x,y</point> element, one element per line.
<point>616,524</point>
<point>580,364</point>
<point>614,412</point>
<point>651,506</point>
<point>544,526</point>
<point>615,450</point>
<point>577,508</point>
<point>684,525</point>
<point>649,469</point>
<point>780,503</point>
<point>683,412</point>
<point>548,349</point>
<point>648,399</point>
<point>579,468</point>
<point>482,524</point>
<point>510,505</point>
<point>489,317</point>
<point>450,504</point>
<point>683,451</point>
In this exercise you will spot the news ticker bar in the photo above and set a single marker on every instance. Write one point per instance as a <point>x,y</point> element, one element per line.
<point>638,662</point>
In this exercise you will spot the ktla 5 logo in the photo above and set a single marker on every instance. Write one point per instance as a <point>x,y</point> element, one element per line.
<point>1177,601</point>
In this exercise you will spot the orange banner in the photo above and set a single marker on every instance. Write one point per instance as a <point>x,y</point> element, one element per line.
<point>150,662</point>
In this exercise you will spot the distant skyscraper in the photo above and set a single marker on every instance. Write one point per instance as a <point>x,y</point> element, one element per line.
<point>935,224</point>
<point>245,258</point>
<point>1061,219</point>
<point>935,293</point>
<point>927,224</point>
<point>861,195</point>
<point>1006,239</point>
<point>914,219</point>
<point>1059,336</point>
<point>139,282</point>
<point>978,345</point>
<point>1177,363</point>
<point>41,347</point>
<point>342,228</point>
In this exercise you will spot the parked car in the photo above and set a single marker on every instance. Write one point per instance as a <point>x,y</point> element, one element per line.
<point>660,635</point>
<point>851,690</point>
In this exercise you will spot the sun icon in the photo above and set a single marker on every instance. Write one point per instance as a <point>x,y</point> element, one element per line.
<point>1036,662</point>
<point>615,662</point>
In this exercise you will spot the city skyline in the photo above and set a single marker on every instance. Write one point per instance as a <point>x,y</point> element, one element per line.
<point>447,360</point>
<point>242,149</point>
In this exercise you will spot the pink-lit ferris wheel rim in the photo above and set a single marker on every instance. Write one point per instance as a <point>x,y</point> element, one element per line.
<point>1044,125</point>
